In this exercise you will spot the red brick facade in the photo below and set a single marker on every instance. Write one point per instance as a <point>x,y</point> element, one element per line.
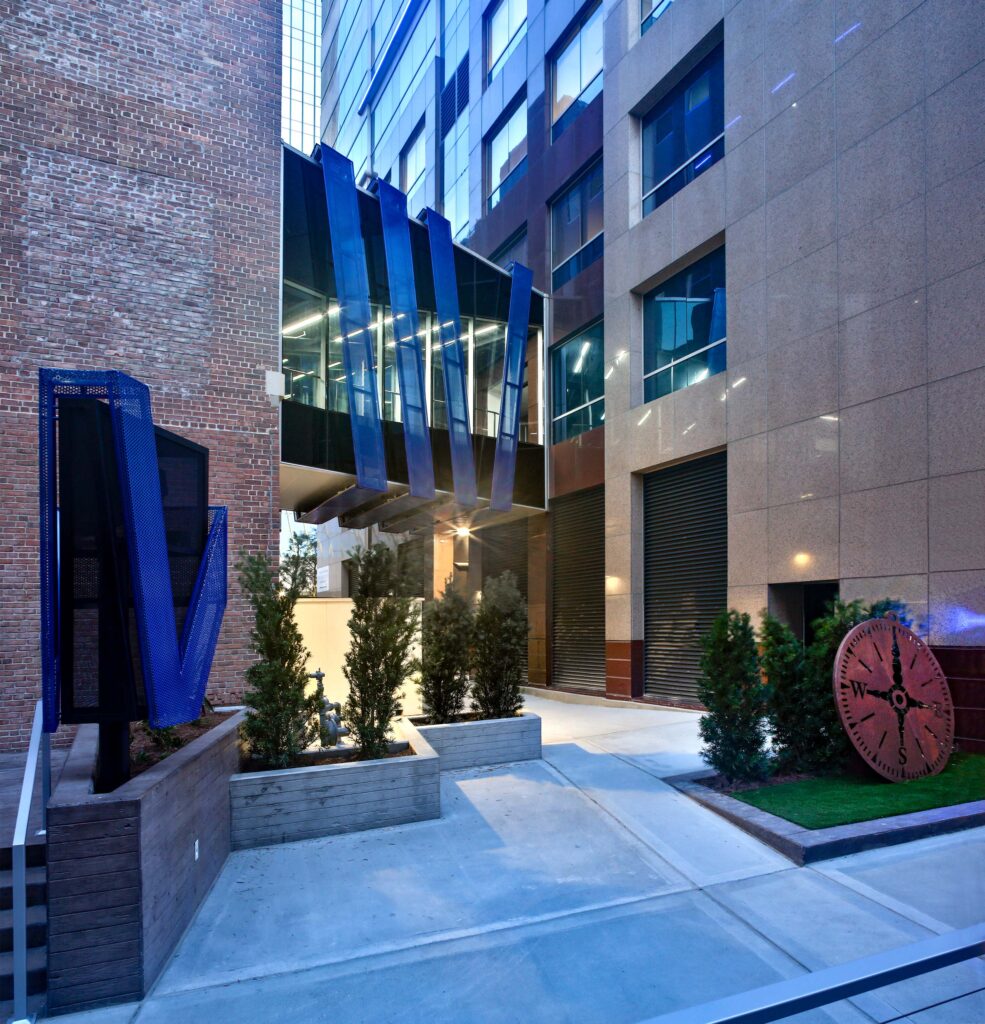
<point>139,231</point>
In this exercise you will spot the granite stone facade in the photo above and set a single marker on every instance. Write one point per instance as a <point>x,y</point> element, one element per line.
<point>850,203</point>
<point>139,231</point>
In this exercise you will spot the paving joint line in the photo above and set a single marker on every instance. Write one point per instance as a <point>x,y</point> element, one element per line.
<point>437,939</point>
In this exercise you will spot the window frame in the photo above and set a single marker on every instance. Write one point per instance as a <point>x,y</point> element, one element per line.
<point>555,352</point>
<point>647,21</point>
<point>493,67</point>
<point>572,184</point>
<point>495,195</point>
<point>715,147</point>
<point>417,135</point>
<point>570,113</point>
<point>670,366</point>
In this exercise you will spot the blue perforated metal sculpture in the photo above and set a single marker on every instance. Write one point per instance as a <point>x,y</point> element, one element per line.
<point>120,565</point>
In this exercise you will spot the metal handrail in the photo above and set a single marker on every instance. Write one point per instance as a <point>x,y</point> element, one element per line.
<point>690,160</point>
<point>784,998</point>
<point>40,742</point>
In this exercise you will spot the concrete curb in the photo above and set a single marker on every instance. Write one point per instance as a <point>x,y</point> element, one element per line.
<point>806,846</point>
<point>324,800</point>
<point>492,741</point>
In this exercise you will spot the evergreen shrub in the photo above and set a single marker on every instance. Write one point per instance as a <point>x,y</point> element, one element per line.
<point>500,647</point>
<point>732,691</point>
<point>446,648</point>
<point>281,720</point>
<point>383,628</point>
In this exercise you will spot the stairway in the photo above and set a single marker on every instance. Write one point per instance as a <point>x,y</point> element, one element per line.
<point>37,927</point>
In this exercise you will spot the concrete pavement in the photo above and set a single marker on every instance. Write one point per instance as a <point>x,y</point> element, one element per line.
<point>577,888</point>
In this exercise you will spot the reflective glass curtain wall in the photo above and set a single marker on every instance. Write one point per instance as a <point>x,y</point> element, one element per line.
<point>454,117</point>
<point>408,72</point>
<point>345,74</point>
<point>313,363</point>
<point>300,73</point>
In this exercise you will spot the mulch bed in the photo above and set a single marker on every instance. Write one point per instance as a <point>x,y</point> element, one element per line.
<point>316,759</point>
<point>722,785</point>
<point>149,747</point>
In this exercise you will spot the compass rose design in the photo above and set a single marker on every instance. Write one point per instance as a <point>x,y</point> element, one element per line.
<point>894,700</point>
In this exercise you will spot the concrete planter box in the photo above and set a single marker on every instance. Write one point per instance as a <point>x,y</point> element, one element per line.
<point>493,741</point>
<point>305,803</point>
<point>127,870</point>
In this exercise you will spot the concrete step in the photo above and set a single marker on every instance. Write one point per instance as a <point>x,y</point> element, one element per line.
<point>37,972</point>
<point>35,854</point>
<point>35,1007</point>
<point>37,928</point>
<point>37,888</point>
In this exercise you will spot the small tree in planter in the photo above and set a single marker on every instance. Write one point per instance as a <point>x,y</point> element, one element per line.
<point>499,649</point>
<point>782,661</point>
<point>383,625</point>
<point>446,642</point>
<point>299,566</point>
<point>282,719</point>
<point>731,689</point>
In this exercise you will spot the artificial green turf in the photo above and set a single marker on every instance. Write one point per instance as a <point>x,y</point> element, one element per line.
<point>843,799</point>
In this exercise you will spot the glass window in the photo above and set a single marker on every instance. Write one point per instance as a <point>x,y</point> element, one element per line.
<point>576,226</point>
<point>650,10</point>
<point>454,36</point>
<point>505,26</point>
<point>412,166</point>
<point>684,134</point>
<point>489,341</point>
<point>577,386</point>
<point>303,345</point>
<point>577,72</point>
<point>408,72</point>
<point>439,406</point>
<point>455,176</point>
<point>684,328</point>
<point>507,155</point>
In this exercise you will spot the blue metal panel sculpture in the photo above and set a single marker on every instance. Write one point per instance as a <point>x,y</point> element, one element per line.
<point>406,334</point>
<point>352,288</point>
<point>504,466</point>
<point>174,673</point>
<point>452,357</point>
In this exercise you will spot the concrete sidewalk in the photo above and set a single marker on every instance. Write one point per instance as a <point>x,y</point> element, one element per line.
<point>577,888</point>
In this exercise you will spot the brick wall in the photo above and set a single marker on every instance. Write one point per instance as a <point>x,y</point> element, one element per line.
<point>139,231</point>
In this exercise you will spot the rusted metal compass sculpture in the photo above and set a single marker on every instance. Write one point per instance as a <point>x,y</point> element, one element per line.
<point>893,700</point>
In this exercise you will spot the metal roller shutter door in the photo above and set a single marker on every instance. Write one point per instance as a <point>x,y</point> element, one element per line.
<point>578,602</point>
<point>685,567</point>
